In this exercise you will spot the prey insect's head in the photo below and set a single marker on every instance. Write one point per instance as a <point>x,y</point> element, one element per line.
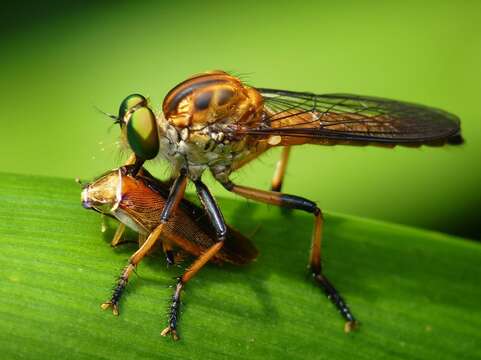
<point>103,194</point>
<point>139,126</point>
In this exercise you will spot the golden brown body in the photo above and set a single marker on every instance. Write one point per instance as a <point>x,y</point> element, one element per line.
<point>214,121</point>
<point>197,113</point>
<point>212,97</point>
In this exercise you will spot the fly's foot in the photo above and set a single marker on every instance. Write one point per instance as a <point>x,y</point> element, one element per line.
<point>113,305</point>
<point>169,330</point>
<point>336,298</point>
<point>118,291</point>
<point>174,312</point>
<point>351,326</point>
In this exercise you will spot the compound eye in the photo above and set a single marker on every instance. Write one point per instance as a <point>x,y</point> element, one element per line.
<point>142,133</point>
<point>129,103</point>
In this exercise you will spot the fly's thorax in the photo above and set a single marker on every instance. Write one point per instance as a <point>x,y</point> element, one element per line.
<point>201,149</point>
<point>199,113</point>
<point>213,97</point>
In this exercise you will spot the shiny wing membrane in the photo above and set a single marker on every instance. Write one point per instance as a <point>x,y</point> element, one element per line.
<point>347,118</point>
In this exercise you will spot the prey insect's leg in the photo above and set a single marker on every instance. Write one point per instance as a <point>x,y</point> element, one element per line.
<point>103,223</point>
<point>217,220</point>
<point>169,252</point>
<point>118,235</point>
<point>175,195</point>
<point>141,239</point>
<point>280,171</point>
<point>117,239</point>
<point>121,228</point>
<point>299,203</point>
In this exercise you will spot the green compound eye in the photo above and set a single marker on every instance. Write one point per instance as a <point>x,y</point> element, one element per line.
<point>142,133</point>
<point>128,103</point>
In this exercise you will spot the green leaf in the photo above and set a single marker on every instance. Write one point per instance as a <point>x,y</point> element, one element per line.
<point>416,293</point>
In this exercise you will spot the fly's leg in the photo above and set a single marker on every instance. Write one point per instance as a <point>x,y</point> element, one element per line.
<point>175,195</point>
<point>315,266</point>
<point>131,160</point>
<point>136,166</point>
<point>188,274</point>
<point>280,171</point>
<point>217,220</point>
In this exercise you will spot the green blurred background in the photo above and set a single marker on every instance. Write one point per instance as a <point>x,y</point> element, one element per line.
<point>58,61</point>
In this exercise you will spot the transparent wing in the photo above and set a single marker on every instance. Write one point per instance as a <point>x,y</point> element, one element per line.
<point>352,118</point>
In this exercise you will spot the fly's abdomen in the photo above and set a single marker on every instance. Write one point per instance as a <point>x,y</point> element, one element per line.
<point>213,97</point>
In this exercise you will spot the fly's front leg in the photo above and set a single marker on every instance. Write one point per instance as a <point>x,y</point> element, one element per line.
<point>131,160</point>
<point>280,171</point>
<point>175,195</point>
<point>217,220</point>
<point>299,203</point>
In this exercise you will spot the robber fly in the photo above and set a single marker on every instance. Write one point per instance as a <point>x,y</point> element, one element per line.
<point>137,202</point>
<point>213,121</point>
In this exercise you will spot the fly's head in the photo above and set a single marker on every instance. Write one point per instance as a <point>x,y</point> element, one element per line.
<point>139,127</point>
<point>103,194</point>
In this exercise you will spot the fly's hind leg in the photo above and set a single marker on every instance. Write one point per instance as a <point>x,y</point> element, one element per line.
<point>175,195</point>
<point>280,170</point>
<point>315,266</point>
<point>217,220</point>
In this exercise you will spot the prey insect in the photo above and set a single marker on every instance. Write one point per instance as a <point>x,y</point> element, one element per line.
<point>213,121</point>
<point>138,203</point>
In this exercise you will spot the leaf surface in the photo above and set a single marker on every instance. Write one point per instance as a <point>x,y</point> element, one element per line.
<point>416,293</point>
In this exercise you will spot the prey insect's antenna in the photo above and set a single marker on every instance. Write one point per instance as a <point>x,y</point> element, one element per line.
<point>83,184</point>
